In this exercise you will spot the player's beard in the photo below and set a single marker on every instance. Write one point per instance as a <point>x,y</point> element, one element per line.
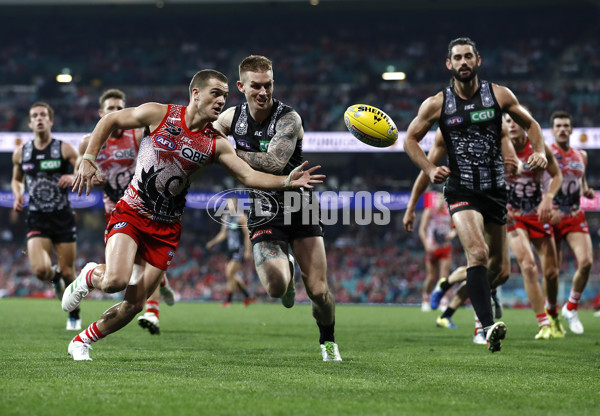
<point>465,78</point>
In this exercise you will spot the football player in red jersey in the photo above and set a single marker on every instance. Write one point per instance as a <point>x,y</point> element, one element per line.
<point>568,219</point>
<point>116,162</point>
<point>146,222</point>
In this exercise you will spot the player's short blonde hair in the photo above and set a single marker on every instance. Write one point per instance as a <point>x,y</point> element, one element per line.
<point>255,63</point>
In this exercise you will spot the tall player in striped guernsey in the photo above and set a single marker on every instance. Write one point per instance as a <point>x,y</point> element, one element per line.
<point>436,234</point>
<point>568,218</point>
<point>268,136</point>
<point>146,222</point>
<point>469,114</point>
<point>529,212</point>
<point>116,162</point>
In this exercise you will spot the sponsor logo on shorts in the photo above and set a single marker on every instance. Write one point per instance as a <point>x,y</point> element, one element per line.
<point>33,233</point>
<point>458,205</point>
<point>120,225</point>
<point>268,231</point>
<point>164,142</point>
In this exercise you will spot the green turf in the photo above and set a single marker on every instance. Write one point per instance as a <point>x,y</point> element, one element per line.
<point>265,360</point>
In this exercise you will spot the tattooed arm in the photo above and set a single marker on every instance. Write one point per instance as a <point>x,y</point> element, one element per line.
<point>288,131</point>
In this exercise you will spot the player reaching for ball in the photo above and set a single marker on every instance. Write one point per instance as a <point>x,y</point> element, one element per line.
<point>268,135</point>
<point>469,114</point>
<point>146,222</point>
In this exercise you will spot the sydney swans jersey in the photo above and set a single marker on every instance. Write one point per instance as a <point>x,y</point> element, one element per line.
<point>472,130</point>
<point>167,160</point>
<point>43,169</point>
<point>438,227</point>
<point>116,161</point>
<point>525,190</point>
<point>572,167</point>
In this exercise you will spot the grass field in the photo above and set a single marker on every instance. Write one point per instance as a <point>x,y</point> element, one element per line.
<point>265,360</point>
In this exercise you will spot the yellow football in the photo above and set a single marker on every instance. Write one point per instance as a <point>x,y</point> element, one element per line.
<point>370,125</point>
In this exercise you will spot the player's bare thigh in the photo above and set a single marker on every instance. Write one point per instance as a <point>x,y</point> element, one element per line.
<point>38,252</point>
<point>120,256</point>
<point>470,230</point>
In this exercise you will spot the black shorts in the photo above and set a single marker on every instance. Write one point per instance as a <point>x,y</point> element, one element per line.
<point>285,229</point>
<point>58,226</point>
<point>490,203</point>
<point>237,255</point>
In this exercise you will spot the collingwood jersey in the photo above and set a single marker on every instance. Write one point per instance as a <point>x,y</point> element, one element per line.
<point>472,130</point>
<point>255,137</point>
<point>43,169</point>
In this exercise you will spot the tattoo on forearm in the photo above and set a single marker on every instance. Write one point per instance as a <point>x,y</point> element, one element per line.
<point>281,146</point>
<point>268,250</point>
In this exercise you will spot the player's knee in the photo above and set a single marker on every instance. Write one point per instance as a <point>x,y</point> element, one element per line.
<point>42,272</point>
<point>319,295</point>
<point>586,265</point>
<point>276,287</point>
<point>479,255</point>
<point>112,283</point>
<point>529,270</point>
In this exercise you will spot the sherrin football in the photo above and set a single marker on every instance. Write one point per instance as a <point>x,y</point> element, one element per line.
<point>370,125</point>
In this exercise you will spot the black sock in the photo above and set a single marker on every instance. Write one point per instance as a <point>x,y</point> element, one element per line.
<point>244,291</point>
<point>478,288</point>
<point>229,296</point>
<point>57,275</point>
<point>74,314</point>
<point>326,333</point>
<point>448,312</point>
<point>445,285</point>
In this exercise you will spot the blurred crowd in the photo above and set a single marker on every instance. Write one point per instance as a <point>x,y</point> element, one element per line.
<point>320,68</point>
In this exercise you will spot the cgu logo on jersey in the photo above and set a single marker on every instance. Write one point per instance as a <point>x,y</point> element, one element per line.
<point>193,155</point>
<point>264,145</point>
<point>164,142</point>
<point>49,164</point>
<point>454,121</point>
<point>482,115</point>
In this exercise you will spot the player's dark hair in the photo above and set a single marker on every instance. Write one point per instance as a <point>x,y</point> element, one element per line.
<point>201,78</point>
<point>461,41</point>
<point>46,105</point>
<point>112,93</point>
<point>560,114</point>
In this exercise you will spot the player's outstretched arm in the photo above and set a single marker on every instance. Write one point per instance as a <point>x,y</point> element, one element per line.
<point>298,178</point>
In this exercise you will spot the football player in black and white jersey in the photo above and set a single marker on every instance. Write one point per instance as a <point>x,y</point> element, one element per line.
<point>234,230</point>
<point>268,136</point>
<point>44,165</point>
<point>469,114</point>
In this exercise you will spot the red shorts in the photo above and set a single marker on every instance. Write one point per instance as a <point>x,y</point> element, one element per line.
<point>534,228</point>
<point>574,224</point>
<point>157,241</point>
<point>439,254</point>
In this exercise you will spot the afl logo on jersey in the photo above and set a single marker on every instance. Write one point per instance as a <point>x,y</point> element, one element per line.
<point>120,225</point>
<point>164,142</point>
<point>243,144</point>
<point>454,121</point>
